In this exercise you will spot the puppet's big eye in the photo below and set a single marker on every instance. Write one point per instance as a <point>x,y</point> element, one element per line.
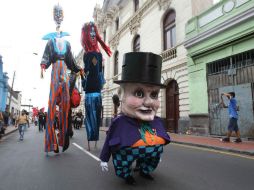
<point>139,93</point>
<point>154,95</point>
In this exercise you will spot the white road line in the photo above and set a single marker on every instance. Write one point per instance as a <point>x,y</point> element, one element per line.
<point>85,151</point>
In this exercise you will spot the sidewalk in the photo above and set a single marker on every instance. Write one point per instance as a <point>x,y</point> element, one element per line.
<point>246,147</point>
<point>10,129</point>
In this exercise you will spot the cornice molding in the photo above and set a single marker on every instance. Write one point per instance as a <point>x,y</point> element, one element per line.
<point>234,21</point>
<point>115,42</point>
<point>133,24</point>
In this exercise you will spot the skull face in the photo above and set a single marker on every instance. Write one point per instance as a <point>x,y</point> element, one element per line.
<point>92,32</point>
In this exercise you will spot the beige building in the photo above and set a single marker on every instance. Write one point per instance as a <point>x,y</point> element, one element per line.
<point>156,26</point>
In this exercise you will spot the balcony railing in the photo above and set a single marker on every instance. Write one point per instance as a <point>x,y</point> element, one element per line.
<point>169,54</point>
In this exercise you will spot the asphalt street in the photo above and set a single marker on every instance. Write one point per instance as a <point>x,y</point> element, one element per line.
<point>25,166</point>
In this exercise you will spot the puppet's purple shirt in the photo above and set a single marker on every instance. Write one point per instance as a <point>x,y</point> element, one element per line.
<point>124,132</point>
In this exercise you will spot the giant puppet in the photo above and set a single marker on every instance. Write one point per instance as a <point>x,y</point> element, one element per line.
<point>94,80</point>
<point>137,134</point>
<point>58,54</point>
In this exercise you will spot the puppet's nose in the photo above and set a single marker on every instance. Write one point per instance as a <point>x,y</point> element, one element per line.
<point>148,101</point>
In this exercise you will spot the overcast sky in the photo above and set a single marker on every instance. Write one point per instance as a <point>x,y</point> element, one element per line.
<point>23,24</point>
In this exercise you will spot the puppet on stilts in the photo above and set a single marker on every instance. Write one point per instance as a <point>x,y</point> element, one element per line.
<point>137,134</point>
<point>94,80</point>
<point>58,54</point>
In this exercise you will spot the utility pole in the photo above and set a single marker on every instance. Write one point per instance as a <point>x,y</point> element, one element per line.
<point>11,91</point>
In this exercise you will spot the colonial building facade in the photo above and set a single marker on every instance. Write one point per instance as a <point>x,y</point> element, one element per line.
<point>3,86</point>
<point>221,59</point>
<point>156,26</point>
<point>8,97</point>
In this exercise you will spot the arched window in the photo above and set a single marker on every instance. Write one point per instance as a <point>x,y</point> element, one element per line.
<point>117,23</point>
<point>169,30</point>
<point>136,44</point>
<point>136,5</point>
<point>116,63</point>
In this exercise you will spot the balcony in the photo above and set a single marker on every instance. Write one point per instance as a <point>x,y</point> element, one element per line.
<point>169,54</point>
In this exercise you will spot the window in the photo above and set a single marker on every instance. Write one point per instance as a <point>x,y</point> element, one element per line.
<point>136,44</point>
<point>116,63</point>
<point>136,5</point>
<point>169,30</point>
<point>117,23</point>
<point>244,59</point>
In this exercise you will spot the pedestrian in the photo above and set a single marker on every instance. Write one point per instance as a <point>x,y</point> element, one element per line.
<point>116,103</point>
<point>44,121</point>
<point>137,133</point>
<point>79,119</point>
<point>22,122</point>
<point>40,120</point>
<point>12,117</point>
<point>6,116</point>
<point>35,120</point>
<point>233,109</point>
<point>58,54</point>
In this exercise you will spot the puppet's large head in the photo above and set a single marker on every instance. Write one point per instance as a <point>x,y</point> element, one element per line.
<point>58,15</point>
<point>90,39</point>
<point>140,85</point>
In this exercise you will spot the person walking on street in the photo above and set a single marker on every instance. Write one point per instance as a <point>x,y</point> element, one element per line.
<point>116,102</point>
<point>21,122</point>
<point>233,116</point>
<point>6,116</point>
<point>41,120</point>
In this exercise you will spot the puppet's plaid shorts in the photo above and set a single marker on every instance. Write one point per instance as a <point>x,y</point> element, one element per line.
<point>148,156</point>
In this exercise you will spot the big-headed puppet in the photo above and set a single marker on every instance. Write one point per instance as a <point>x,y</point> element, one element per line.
<point>137,134</point>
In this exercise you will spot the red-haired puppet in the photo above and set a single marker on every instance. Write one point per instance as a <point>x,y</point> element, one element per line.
<point>58,53</point>
<point>94,80</point>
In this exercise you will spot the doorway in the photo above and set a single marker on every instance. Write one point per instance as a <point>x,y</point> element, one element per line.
<point>172,106</point>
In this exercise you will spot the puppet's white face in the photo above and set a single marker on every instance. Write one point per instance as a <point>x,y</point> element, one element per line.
<point>140,101</point>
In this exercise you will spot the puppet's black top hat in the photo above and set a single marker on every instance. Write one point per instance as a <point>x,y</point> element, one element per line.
<point>141,67</point>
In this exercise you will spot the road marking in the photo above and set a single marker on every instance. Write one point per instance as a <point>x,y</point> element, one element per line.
<point>216,151</point>
<point>87,152</point>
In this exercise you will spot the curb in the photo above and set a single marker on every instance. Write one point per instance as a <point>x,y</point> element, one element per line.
<point>9,132</point>
<point>249,153</point>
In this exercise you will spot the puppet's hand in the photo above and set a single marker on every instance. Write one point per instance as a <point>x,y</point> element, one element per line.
<point>104,166</point>
<point>82,72</point>
<point>43,67</point>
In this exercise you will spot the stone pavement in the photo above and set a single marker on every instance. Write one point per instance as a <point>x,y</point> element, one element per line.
<point>246,147</point>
